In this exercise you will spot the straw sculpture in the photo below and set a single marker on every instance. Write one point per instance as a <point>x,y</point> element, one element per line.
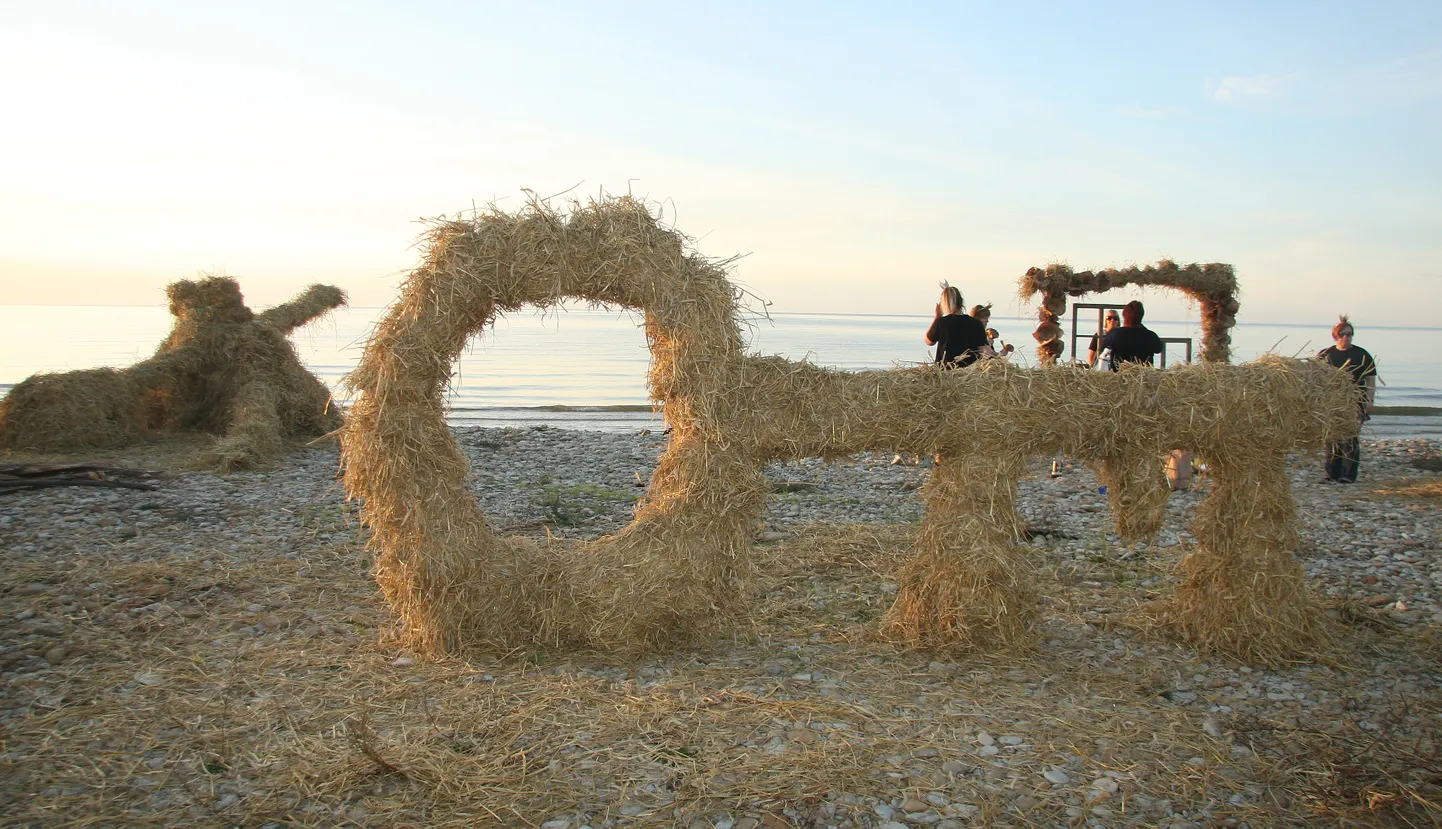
<point>681,568</point>
<point>1213,286</point>
<point>223,370</point>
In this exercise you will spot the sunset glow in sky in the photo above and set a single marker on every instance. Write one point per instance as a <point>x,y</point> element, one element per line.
<point>856,155</point>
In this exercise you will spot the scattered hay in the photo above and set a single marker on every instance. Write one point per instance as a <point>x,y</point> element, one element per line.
<point>1213,286</point>
<point>682,568</point>
<point>223,370</point>
<point>1432,489</point>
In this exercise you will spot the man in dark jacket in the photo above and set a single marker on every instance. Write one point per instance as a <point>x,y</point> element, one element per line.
<point>1133,342</point>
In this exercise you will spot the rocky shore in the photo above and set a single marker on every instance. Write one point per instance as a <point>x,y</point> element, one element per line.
<point>213,652</point>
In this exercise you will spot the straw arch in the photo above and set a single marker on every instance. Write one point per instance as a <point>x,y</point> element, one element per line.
<point>1213,286</point>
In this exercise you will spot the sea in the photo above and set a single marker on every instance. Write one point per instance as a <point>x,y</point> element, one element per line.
<point>585,368</point>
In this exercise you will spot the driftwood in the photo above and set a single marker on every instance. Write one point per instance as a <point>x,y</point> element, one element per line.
<point>18,476</point>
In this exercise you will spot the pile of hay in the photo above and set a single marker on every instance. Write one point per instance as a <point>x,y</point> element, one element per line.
<point>1213,286</point>
<point>681,568</point>
<point>223,370</point>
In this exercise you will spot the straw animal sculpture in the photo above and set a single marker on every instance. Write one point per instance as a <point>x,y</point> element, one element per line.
<point>681,568</point>
<point>223,370</point>
<point>1213,286</point>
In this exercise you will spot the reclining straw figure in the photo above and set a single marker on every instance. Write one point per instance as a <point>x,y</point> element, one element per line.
<point>224,370</point>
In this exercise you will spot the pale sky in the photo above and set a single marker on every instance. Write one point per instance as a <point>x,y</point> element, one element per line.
<point>855,154</point>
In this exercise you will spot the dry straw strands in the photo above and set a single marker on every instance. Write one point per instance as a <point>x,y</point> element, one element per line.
<point>682,567</point>
<point>1213,286</point>
<point>223,370</point>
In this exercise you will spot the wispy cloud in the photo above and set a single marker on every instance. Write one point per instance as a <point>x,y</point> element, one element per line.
<point>1236,89</point>
<point>1166,113</point>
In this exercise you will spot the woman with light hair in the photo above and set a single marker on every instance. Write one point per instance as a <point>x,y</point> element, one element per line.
<point>960,339</point>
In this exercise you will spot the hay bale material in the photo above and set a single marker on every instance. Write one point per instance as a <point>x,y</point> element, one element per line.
<point>222,370</point>
<point>682,567</point>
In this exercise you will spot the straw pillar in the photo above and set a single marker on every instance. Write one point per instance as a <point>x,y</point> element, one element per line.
<point>1048,333</point>
<point>1242,591</point>
<point>968,588</point>
<point>681,568</point>
<point>1137,489</point>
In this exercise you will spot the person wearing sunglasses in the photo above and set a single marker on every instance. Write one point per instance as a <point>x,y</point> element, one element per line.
<point>1344,457</point>
<point>1112,321</point>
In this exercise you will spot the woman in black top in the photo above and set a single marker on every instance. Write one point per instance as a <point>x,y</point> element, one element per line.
<point>1344,457</point>
<point>960,340</point>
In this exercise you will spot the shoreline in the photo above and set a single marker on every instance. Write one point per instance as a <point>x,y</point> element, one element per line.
<point>224,629</point>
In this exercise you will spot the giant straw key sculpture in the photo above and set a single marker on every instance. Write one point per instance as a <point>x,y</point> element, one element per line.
<point>680,569</point>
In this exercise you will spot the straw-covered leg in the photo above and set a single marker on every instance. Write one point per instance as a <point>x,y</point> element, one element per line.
<point>1242,591</point>
<point>1137,490</point>
<point>968,588</point>
<point>254,428</point>
<point>681,568</point>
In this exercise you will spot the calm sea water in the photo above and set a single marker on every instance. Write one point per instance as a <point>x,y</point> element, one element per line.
<point>586,368</point>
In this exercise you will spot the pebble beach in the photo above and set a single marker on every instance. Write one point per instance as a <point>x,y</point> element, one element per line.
<point>213,652</point>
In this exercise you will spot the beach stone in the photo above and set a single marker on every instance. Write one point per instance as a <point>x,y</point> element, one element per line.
<point>1056,777</point>
<point>911,804</point>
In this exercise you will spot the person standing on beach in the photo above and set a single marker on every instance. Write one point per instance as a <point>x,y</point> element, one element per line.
<point>1344,457</point>
<point>1133,342</point>
<point>960,340</point>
